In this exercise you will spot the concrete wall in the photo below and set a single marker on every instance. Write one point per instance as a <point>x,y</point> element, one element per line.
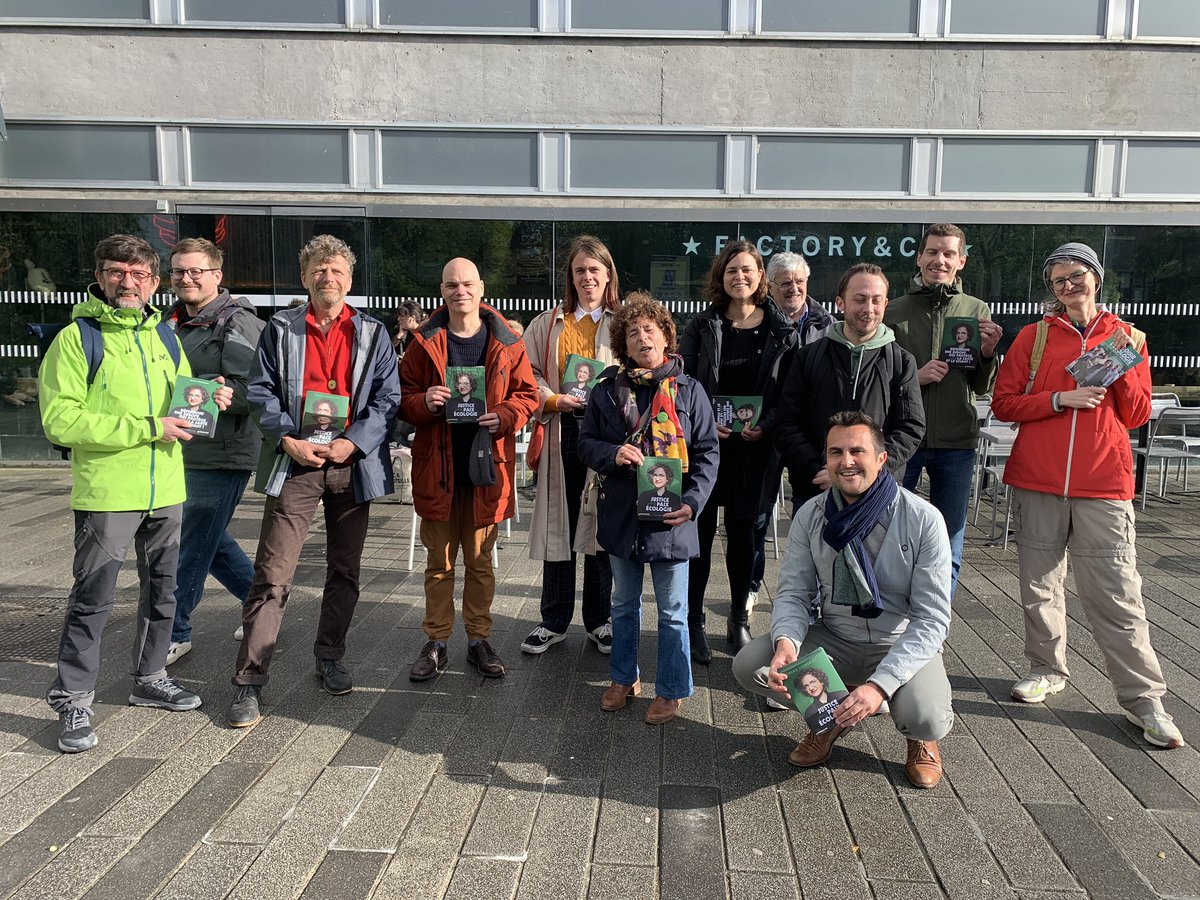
<point>371,79</point>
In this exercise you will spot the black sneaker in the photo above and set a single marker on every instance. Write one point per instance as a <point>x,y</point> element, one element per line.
<point>334,677</point>
<point>166,693</point>
<point>602,638</point>
<point>75,732</point>
<point>540,640</point>
<point>244,711</point>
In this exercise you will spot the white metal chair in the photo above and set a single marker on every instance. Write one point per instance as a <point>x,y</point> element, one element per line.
<point>1169,441</point>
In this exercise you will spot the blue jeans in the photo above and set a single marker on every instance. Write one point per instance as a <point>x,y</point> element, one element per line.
<point>950,474</point>
<point>205,546</point>
<point>674,679</point>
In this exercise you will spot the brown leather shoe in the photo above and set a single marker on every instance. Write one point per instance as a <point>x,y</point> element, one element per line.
<point>815,748</point>
<point>431,661</point>
<point>924,766</point>
<point>662,710</point>
<point>618,694</point>
<point>485,660</point>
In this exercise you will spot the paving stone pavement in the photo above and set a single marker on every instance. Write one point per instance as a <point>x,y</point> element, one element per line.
<point>465,787</point>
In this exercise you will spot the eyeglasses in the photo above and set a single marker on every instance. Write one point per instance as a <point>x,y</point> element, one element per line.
<point>790,285</point>
<point>193,273</point>
<point>118,275</point>
<point>1076,278</point>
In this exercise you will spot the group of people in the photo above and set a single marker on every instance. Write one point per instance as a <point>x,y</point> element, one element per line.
<point>855,410</point>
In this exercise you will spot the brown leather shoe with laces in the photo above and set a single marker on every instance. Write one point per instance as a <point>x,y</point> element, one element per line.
<point>485,660</point>
<point>430,663</point>
<point>924,766</point>
<point>815,748</point>
<point>618,695</point>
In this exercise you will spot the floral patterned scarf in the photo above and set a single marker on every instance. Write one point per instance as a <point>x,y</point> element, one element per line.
<point>656,432</point>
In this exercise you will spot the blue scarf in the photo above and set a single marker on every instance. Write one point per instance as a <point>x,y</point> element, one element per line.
<point>846,525</point>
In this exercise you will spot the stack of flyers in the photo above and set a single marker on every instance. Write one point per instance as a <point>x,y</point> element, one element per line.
<point>468,396</point>
<point>737,413</point>
<point>816,689</point>
<point>1103,364</point>
<point>323,417</point>
<point>580,376</point>
<point>192,400</point>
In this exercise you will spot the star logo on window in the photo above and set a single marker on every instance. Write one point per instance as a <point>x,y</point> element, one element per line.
<point>692,246</point>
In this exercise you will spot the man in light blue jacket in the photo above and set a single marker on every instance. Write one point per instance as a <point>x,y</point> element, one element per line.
<point>877,557</point>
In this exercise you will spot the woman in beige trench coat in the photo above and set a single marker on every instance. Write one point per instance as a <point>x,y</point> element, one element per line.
<point>579,325</point>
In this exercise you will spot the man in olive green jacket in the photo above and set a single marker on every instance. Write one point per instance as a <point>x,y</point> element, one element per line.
<point>127,479</point>
<point>951,424</point>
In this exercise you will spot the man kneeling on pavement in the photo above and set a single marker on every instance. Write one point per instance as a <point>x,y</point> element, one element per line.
<point>878,559</point>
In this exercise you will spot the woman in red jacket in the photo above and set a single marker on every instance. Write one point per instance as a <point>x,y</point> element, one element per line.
<point>1071,471</point>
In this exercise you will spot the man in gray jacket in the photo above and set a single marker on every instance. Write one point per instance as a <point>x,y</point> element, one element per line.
<point>878,558</point>
<point>219,334</point>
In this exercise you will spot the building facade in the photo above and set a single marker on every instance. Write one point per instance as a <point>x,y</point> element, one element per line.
<point>499,129</point>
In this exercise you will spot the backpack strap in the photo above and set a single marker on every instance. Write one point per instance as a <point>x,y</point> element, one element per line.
<point>93,345</point>
<point>170,340</point>
<point>1039,350</point>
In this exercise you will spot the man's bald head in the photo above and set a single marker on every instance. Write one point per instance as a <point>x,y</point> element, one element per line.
<point>462,288</point>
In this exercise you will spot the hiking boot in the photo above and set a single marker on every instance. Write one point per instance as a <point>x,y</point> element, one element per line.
<point>334,677</point>
<point>165,693</point>
<point>244,711</point>
<point>75,732</point>
<point>1035,688</point>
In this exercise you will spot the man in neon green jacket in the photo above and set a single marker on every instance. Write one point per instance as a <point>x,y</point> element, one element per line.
<point>127,480</point>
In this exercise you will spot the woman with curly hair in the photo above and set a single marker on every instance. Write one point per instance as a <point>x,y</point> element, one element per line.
<point>646,407</point>
<point>740,345</point>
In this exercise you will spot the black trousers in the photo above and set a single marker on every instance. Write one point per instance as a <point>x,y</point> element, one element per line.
<point>558,578</point>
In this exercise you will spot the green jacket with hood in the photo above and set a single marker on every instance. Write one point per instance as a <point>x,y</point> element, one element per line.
<point>918,319</point>
<point>112,426</point>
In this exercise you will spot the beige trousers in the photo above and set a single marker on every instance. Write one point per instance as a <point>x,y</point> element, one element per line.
<point>1100,536</point>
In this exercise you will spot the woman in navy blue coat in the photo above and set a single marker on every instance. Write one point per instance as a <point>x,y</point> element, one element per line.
<point>643,408</point>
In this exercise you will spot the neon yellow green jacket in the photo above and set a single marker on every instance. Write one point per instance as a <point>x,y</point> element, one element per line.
<point>112,427</point>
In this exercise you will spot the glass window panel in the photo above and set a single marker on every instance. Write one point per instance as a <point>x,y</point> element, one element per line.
<point>657,15</point>
<point>460,158</point>
<point>1027,17</point>
<point>459,13</point>
<point>866,16</point>
<point>91,153</point>
<point>269,156</point>
<point>683,162</point>
<point>980,166</point>
<point>299,12</point>
<point>291,233</point>
<point>75,9</point>
<point>1168,18</point>
<point>1163,167</point>
<point>246,242</point>
<point>832,164</point>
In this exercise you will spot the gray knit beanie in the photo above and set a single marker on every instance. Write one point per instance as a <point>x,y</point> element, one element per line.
<point>1074,252</point>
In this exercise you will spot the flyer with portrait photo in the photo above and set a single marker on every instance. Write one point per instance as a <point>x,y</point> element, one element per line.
<point>660,488</point>
<point>737,413</point>
<point>816,689</point>
<point>960,343</point>
<point>468,397</point>
<point>324,417</point>
<point>580,376</point>
<point>1103,364</point>
<point>192,400</point>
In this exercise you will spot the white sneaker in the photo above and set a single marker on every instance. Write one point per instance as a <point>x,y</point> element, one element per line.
<point>1034,688</point>
<point>750,601</point>
<point>1158,729</point>
<point>777,704</point>
<point>177,650</point>
<point>239,634</point>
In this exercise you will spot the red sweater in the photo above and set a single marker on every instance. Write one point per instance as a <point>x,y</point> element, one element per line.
<point>1076,452</point>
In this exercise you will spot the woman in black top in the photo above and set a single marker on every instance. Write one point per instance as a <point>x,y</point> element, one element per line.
<point>740,346</point>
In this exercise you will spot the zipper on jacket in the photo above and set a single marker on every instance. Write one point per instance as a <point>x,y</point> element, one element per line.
<point>149,408</point>
<point>1083,339</point>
